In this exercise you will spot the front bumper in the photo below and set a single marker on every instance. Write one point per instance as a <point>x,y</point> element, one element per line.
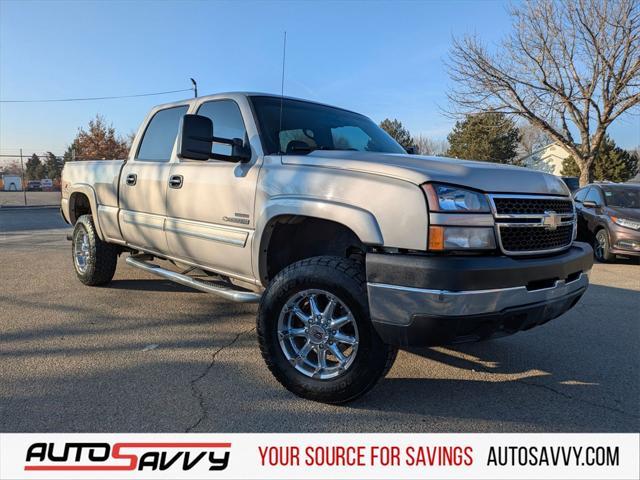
<point>429,300</point>
<point>624,241</point>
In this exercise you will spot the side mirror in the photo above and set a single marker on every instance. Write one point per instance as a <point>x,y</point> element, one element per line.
<point>195,141</point>
<point>411,150</point>
<point>240,151</point>
<point>590,204</point>
<point>195,138</point>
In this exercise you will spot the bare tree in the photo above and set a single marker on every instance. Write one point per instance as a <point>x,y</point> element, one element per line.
<point>428,146</point>
<point>532,139</point>
<point>568,66</point>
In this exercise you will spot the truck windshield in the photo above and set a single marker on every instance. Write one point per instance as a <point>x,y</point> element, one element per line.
<point>309,126</point>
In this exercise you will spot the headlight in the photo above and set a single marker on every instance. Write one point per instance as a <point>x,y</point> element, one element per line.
<point>461,238</point>
<point>445,198</point>
<point>624,222</point>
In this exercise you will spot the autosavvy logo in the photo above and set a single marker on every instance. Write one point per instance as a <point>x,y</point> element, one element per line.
<point>127,456</point>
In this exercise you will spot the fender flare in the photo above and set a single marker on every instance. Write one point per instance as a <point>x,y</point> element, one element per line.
<point>90,193</point>
<point>362,222</point>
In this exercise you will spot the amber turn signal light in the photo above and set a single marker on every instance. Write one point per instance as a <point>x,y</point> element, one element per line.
<point>436,238</point>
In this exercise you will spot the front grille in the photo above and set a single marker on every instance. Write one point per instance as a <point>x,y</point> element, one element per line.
<point>531,224</point>
<point>534,239</point>
<point>531,206</point>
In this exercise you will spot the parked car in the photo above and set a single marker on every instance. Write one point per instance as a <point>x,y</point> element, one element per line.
<point>46,184</point>
<point>573,183</point>
<point>609,218</point>
<point>351,246</point>
<point>34,186</point>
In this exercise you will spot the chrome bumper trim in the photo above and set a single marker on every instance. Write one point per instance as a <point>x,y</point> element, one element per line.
<point>397,305</point>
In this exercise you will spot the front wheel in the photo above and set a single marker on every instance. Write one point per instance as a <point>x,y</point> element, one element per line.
<point>601,247</point>
<point>94,260</point>
<point>315,333</point>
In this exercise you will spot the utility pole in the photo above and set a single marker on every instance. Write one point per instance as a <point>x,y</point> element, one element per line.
<point>195,88</point>
<point>24,191</point>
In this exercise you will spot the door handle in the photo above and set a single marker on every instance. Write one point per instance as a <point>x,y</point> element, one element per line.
<point>175,181</point>
<point>132,178</point>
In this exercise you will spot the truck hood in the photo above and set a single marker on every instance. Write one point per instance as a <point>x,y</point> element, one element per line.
<point>485,176</point>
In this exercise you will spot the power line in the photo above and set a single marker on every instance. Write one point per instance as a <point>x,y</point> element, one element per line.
<point>95,98</point>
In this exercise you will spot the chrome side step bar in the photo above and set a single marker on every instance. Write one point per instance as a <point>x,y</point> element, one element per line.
<point>239,296</point>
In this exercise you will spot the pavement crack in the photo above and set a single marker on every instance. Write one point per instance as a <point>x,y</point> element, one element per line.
<point>197,393</point>
<point>581,400</point>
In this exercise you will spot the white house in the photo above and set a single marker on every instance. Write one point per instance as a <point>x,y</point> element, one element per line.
<point>547,159</point>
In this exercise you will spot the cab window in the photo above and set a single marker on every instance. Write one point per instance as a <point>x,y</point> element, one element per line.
<point>160,135</point>
<point>227,123</point>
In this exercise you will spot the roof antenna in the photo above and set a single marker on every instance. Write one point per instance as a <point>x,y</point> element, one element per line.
<point>195,88</point>
<point>284,56</point>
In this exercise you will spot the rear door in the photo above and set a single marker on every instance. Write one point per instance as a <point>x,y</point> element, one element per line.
<point>143,182</point>
<point>210,204</point>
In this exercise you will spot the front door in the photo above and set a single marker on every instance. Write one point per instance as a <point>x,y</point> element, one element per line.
<point>210,204</point>
<point>143,182</point>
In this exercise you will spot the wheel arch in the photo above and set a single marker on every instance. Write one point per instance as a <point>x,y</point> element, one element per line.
<point>338,225</point>
<point>82,201</point>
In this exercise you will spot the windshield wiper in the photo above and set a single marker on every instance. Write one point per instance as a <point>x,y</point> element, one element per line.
<point>309,149</point>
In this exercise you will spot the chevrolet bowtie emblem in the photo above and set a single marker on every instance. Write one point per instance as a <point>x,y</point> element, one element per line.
<point>551,220</point>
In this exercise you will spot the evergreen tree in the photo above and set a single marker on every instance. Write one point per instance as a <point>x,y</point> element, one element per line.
<point>611,163</point>
<point>398,132</point>
<point>34,169</point>
<point>53,166</point>
<point>490,136</point>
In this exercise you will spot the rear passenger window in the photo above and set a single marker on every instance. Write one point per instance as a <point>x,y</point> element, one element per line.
<point>160,135</point>
<point>227,123</point>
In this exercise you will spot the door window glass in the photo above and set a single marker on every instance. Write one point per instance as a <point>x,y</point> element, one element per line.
<point>160,135</point>
<point>227,123</point>
<point>593,196</point>
<point>580,195</point>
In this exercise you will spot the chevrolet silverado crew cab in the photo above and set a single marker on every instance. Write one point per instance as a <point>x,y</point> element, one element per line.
<point>351,246</point>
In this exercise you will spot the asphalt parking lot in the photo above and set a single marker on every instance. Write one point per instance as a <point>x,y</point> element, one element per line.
<point>146,355</point>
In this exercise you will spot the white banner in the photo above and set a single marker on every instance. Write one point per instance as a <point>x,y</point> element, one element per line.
<point>318,456</point>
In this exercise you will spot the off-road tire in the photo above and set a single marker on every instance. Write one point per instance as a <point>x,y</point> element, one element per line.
<point>103,257</point>
<point>344,278</point>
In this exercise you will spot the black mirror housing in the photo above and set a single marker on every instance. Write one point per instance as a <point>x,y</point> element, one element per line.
<point>411,150</point>
<point>239,151</point>
<point>195,138</point>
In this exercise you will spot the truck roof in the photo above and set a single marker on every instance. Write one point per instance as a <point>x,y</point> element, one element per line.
<point>244,94</point>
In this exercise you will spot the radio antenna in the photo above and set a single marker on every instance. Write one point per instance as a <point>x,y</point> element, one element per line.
<point>284,56</point>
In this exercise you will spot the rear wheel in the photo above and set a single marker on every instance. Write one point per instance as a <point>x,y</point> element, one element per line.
<point>94,260</point>
<point>315,333</point>
<point>601,247</point>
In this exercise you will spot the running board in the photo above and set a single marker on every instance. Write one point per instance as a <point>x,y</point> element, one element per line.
<point>239,296</point>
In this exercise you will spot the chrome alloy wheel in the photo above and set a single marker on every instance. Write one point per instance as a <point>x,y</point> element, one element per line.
<point>81,250</point>
<point>318,334</point>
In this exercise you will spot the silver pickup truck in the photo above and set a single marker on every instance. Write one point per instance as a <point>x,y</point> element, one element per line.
<point>352,246</point>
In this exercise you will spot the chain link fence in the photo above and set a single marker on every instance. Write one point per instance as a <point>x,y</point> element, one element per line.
<point>27,182</point>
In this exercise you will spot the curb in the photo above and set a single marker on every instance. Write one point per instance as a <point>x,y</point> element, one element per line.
<point>27,207</point>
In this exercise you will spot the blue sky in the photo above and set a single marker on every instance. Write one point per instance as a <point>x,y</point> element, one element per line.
<point>383,59</point>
